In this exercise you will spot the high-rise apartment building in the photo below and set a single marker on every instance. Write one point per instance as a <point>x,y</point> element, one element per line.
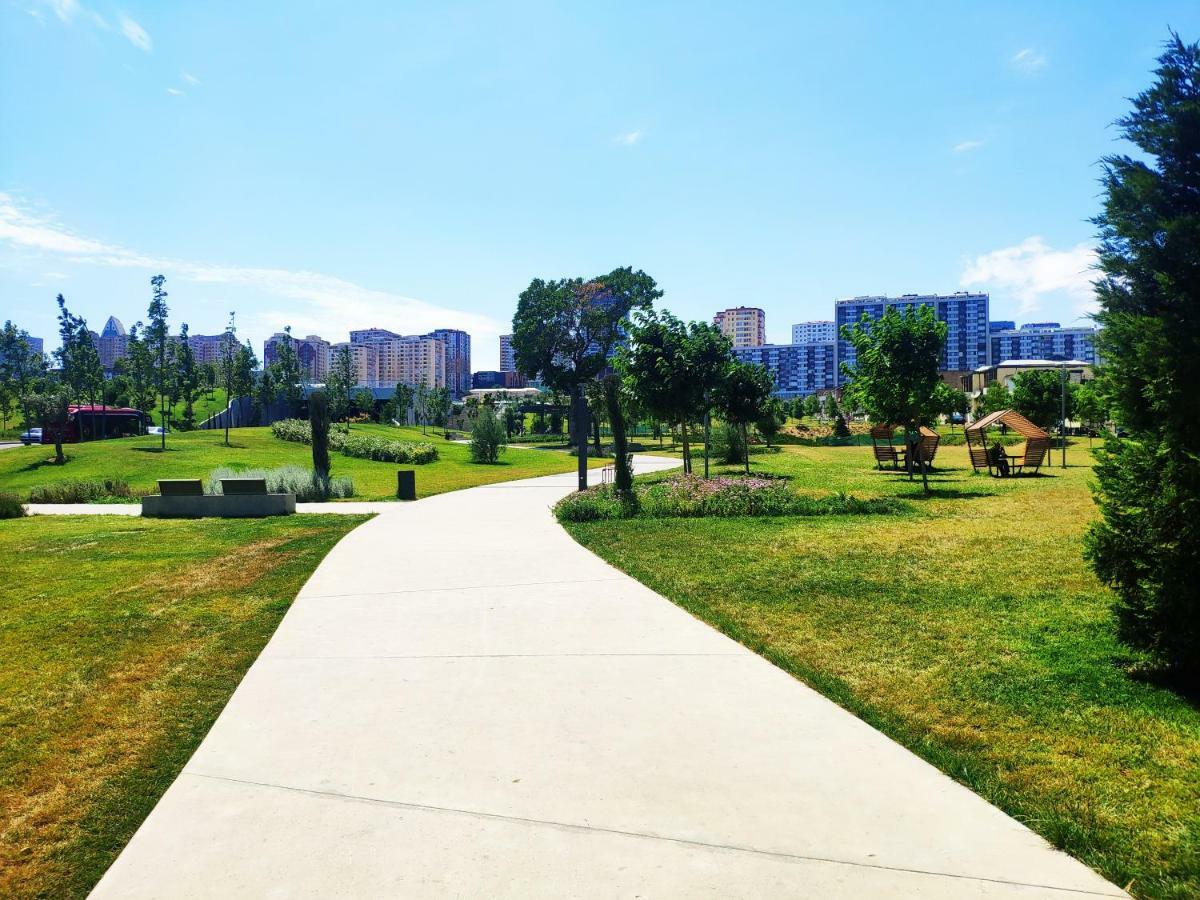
<point>508,359</point>
<point>798,369</point>
<point>965,315</point>
<point>112,343</point>
<point>745,326</point>
<point>1044,340</point>
<point>819,332</point>
<point>458,359</point>
<point>311,351</point>
<point>210,348</point>
<point>383,358</point>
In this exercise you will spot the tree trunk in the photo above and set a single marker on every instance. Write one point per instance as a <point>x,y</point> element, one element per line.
<point>616,420</point>
<point>687,448</point>
<point>745,447</point>
<point>707,436</point>
<point>581,430</point>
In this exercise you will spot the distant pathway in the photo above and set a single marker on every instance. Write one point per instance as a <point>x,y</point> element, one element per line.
<point>463,702</point>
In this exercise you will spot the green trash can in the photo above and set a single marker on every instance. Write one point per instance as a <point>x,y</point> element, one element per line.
<point>406,484</point>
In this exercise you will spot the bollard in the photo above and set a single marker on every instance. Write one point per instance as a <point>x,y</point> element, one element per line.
<point>406,484</point>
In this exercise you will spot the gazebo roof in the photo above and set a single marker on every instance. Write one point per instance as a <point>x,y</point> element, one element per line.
<point>1012,419</point>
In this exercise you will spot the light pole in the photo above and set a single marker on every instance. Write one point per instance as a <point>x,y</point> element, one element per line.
<point>1062,422</point>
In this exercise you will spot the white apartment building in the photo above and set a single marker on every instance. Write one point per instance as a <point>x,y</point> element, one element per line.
<point>508,360</point>
<point>816,332</point>
<point>385,359</point>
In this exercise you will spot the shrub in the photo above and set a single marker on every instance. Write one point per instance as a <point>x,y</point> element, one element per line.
<point>296,430</point>
<point>79,491</point>
<point>11,507</point>
<point>304,483</point>
<point>488,438</point>
<point>364,446</point>
<point>727,445</point>
<point>689,496</point>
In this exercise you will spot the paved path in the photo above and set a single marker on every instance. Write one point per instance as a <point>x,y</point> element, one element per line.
<point>462,702</point>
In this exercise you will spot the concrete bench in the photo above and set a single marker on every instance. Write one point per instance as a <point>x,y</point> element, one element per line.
<point>239,487</point>
<point>242,498</point>
<point>180,487</point>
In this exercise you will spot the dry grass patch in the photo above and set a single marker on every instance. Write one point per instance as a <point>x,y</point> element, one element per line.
<point>119,646</point>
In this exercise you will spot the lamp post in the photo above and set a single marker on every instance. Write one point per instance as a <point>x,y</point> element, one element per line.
<point>1062,422</point>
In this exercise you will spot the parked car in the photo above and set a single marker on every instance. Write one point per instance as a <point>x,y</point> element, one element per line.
<point>32,436</point>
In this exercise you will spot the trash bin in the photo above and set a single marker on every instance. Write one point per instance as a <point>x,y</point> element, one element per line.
<point>406,484</point>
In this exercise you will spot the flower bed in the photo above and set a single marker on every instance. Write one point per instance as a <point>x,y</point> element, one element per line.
<point>689,496</point>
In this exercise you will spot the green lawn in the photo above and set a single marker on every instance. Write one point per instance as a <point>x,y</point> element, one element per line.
<point>120,641</point>
<point>194,454</point>
<point>202,407</point>
<point>971,630</point>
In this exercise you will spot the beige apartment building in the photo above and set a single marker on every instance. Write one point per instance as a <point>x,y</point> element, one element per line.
<point>745,326</point>
<point>387,360</point>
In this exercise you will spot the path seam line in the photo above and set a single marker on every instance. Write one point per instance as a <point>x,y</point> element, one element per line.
<point>468,587</point>
<point>573,826</point>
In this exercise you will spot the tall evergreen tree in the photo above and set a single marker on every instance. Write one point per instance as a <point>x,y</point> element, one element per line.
<point>1147,543</point>
<point>158,339</point>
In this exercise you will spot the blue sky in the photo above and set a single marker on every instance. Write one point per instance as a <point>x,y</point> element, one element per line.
<point>336,165</point>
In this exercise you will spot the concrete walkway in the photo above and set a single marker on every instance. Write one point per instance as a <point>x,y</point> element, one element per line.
<point>462,702</point>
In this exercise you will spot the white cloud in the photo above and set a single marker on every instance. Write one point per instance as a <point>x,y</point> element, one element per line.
<point>190,79</point>
<point>965,146</point>
<point>1028,61</point>
<point>629,138</point>
<point>136,34</point>
<point>66,10</point>
<point>1032,272</point>
<point>175,92</point>
<point>311,302</point>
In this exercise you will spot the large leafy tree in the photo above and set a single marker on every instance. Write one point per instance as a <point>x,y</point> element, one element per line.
<point>565,332</point>
<point>20,367</point>
<point>1147,543</point>
<point>895,377</point>
<point>995,397</point>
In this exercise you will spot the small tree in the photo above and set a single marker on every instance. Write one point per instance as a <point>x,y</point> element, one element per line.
<point>895,377</point>
<point>140,367</point>
<point>402,401</point>
<point>995,397</point>
<point>20,367</point>
<point>772,419</point>
<point>1090,406</point>
<point>742,397</point>
<point>318,419</point>
<point>364,402</point>
<point>1037,394</point>
<point>288,376</point>
<point>50,410</point>
<point>231,371</point>
<point>1147,544</point>
<point>158,341</point>
<point>488,440</point>
<point>341,381</point>
<point>186,376</point>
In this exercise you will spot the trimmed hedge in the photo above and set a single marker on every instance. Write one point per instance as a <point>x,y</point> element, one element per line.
<point>360,446</point>
<point>11,507</point>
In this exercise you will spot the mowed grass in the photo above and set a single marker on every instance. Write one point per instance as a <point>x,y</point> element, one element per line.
<point>971,630</point>
<point>120,641</point>
<point>193,454</point>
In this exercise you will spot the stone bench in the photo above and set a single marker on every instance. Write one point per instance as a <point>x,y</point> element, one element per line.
<point>241,498</point>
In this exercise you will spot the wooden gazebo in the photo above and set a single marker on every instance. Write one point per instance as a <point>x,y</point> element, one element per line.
<point>996,459</point>
<point>882,437</point>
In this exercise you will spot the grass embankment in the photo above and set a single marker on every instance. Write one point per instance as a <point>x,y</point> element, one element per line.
<point>203,407</point>
<point>194,454</point>
<point>971,630</point>
<point>120,641</point>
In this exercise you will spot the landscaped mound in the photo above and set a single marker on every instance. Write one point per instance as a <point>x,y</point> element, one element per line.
<point>362,446</point>
<point>689,496</point>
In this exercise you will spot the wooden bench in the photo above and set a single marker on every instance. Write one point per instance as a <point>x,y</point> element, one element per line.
<point>928,445</point>
<point>885,451</point>
<point>1035,453</point>
<point>180,487</point>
